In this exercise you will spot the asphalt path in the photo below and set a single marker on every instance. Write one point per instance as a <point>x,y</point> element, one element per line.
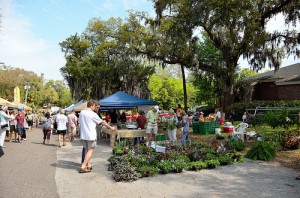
<point>27,169</point>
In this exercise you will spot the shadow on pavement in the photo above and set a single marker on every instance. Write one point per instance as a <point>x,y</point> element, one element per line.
<point>67,164</point>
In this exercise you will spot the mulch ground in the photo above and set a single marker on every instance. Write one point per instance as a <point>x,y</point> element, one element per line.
<point>290,159</point>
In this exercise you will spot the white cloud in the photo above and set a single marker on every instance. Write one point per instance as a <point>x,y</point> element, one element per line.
<point>21,48</point>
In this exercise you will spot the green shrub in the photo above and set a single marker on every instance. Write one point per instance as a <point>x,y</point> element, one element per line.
<point>225,159</point>
<point>237,145</point>
<point>185,158</point>
<point>262,151</point>
<point>148,171</point>
<point>195,166</point>
<point>178,165</point>
<point>165,166</point>
<point>236,156</point>
<point>211,164</point>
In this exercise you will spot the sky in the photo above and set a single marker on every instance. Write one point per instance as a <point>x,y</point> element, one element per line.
<point>31,30</point>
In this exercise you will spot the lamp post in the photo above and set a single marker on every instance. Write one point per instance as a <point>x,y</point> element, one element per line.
<point>26,87</point>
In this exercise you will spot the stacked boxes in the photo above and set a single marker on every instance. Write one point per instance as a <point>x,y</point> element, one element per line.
<point>195,126</point>
<point>206,128</point>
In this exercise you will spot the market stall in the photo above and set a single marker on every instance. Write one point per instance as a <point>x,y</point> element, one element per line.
<point>123,133</point>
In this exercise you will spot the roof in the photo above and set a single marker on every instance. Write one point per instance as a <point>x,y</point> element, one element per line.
<point>70,108</point>
<point>283,76</point>
<point>123,99</point>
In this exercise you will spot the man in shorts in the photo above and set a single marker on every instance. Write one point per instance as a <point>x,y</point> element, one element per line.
<point>88,120</point>
<point>72,123</point>
<point>29,119</point>
<point>20,118</point>
<point>152,120</point>
<point>61,121</point>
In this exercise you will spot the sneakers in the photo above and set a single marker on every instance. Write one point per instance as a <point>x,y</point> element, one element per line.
<point>153,144</point>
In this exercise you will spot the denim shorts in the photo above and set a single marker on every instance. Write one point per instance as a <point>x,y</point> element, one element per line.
<point>20,129</point>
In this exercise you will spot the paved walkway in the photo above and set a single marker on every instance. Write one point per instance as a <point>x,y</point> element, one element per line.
<point>31,169</point>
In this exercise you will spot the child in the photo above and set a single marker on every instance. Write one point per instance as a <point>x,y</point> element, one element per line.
<point>244,117</point>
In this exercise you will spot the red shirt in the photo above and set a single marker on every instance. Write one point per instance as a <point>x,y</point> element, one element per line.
<point>20,119</point>
<point>141,121</point>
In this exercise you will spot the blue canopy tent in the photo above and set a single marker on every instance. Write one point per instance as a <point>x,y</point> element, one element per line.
<point>71,107</point>
<point>120,100</point>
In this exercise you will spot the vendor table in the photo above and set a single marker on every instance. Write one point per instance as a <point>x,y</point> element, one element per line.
<point>123,133</point>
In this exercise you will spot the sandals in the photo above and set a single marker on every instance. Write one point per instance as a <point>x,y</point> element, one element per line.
<point>89,168</point>
<point>298,177</point>
<point>84,170</point>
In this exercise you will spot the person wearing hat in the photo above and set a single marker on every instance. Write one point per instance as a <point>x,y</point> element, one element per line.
<point>172,121</point>
<point>4,118</point>
<point>152,128</point>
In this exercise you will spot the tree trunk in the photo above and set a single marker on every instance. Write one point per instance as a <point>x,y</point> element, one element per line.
<point>228,91</point>
<point>184,88</point>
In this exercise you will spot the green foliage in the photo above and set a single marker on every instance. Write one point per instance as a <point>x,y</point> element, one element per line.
<point>225,159</point>
<point>148,171</point>
<point>240,107</point>
<point>185,158</point>
<point>237,145</point>
<point>195,166</point>
<point>211,164</point>
<point>178,165</point>
<point>165,166</point>
<point>167,91</point>
<point>126,173</point>
<point>105,50</point>
<point>262,151</point>
<point>234,32</point>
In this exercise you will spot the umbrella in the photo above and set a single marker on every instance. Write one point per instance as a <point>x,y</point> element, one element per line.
<point>7,103</point>
<point>20,105</point>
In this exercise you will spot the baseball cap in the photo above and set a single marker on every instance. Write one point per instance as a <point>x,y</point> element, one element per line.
<point>156,107</point>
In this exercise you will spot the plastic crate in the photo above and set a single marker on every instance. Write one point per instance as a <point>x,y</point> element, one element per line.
<point>160,137</point>
<point>195,126</point>
<point>206,128</point>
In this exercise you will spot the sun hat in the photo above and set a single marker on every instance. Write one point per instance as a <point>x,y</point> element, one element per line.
<point>156,107</point>
<point>171,111</point>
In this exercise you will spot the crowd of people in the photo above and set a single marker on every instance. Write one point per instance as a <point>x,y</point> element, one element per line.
<point>14,124</point>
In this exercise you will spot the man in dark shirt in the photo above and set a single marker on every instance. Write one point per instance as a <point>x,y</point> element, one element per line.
<point>114,117</point>
<point>141,120</point>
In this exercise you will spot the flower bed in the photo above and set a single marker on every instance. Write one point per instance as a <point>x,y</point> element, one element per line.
<point>130,163</point>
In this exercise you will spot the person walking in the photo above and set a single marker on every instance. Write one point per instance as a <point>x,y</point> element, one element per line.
<point>72,124</point>
<point>172,129</point>
<point>152,128</point>
<point>12,126</point>
<point>185,127</point>
<point>29,119</point>
<point>88,119</point>
<point>4,118</point>
<point>20,118</point>
<point>47,128</point>
<point>61,121</point>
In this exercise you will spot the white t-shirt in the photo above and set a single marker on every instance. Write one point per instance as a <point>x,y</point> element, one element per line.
<point>88,120</point>
<point>61,121</point>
